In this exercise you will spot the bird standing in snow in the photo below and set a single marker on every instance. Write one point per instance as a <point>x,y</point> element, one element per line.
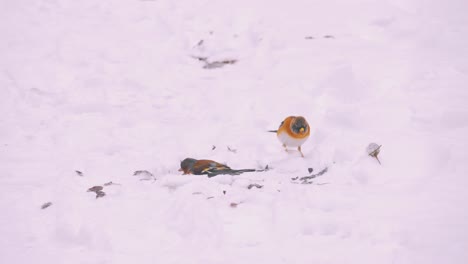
<point>293,132</point>
<point>208,167</point>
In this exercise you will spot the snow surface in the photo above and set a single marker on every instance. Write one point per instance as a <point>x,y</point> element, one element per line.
<point>110,87</point>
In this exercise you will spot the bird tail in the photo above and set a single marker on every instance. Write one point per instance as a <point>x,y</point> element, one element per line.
<point>242,171</point>
<point>273,131</point>
<point>229,172</point>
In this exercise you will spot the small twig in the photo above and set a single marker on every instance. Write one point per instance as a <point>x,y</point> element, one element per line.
<point>254,185</point>
<point>79,173</point>
<point>44,206</point>
<point>146,174</point>
<point>231,150</point>
<point>373,150</point>
<point>314,175</point>
<point>205,59</point>
<point>234,205</point>
<point>377,158</point>
<point>217,64</point>
<point>267,168</point>
<point>228,61</point>
<point>153,179</point>
<point>111,183</point>
<point>306,179</point>
<point>96,188</point>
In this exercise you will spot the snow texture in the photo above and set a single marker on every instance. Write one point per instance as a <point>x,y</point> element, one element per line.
<point>92,91</point>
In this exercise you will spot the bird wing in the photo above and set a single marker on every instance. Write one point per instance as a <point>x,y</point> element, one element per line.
<point>285,125</point>
<point>208,166</point>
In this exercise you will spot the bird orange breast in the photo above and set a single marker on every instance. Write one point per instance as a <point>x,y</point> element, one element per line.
<point>286,127</point>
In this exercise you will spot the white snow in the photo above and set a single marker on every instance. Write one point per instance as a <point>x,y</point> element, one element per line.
<point>111,87</point>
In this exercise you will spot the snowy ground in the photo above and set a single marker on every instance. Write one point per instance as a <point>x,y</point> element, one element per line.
<point>111,87</point>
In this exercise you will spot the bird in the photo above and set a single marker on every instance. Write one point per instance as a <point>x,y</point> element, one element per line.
<point>208,167</point>
<point>293,132</point>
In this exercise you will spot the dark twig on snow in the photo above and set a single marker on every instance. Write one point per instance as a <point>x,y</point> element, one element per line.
<point>373,150</point>
<point>214,64</point>
<point>111,183</point>
<point>306,179</point>
<point>307,182</point>
<point>314,175</point>
<point>79,173</point>
<point>231,149</point>
<point>96,188</point>
<point>204,59</point>
<point>44,206</point>
<point>145,175</point>
<point>218,64</point>
<point>234,205</point>
<point>254,185</point>
<point>100,194</point>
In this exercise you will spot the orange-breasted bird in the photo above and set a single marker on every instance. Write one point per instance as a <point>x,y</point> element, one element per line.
<point>293,132</point>
<point>208,167</point>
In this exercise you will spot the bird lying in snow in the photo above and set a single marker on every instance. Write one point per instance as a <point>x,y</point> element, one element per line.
<point>208,167</point>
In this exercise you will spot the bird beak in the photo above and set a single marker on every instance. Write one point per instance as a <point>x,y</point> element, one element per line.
<point>302,129</point>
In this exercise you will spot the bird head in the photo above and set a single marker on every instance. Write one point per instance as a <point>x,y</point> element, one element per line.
<point>299,125</point>
<point>187,165</point>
